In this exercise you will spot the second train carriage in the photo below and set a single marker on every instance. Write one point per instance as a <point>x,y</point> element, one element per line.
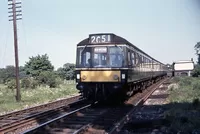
<point>107,64</point>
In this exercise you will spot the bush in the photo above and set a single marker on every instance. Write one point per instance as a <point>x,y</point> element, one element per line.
<point>34,84</point>
<point>11,84</point>
<point>52,82</point>
<point>25,83</point>
<point>48,78</point>
<point>175,79</point>
<point>196,85</point>
<point>59,80</point>
<point>185,81</point>
<point>29,83</point>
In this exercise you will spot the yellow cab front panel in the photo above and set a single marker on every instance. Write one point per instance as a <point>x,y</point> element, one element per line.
<point>100,76</point>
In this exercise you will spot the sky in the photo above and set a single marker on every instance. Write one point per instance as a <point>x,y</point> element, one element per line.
<point>167,30</point>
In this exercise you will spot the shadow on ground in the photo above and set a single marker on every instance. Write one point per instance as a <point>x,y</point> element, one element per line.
<point>168,118</point>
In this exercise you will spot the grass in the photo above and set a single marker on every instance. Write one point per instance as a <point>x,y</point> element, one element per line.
<point>32,97</point>
<point>184,111</point>
<point>185,89</point>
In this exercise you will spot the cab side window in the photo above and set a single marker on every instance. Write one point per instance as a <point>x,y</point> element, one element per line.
<point>86,57</point>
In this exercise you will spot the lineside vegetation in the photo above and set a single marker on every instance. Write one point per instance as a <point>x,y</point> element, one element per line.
<point>33,97</point>
<point>184,110</point>
<point>39,82</point>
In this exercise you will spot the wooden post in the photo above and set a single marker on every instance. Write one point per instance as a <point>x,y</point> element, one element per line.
<point>14,19</point>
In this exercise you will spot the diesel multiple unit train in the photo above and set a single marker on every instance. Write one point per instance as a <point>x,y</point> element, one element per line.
<point>107,64</point>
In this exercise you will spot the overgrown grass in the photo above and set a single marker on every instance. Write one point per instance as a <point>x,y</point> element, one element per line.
<point>184,112</point>
<point>185,89</point>
<point>32,97</point>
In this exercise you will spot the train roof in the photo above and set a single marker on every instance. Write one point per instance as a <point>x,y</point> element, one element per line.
<point>183,61</point>
<point>115,40</point>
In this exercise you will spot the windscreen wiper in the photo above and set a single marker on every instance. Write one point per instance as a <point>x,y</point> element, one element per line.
<point>119,47</point>
<point>83,49</point>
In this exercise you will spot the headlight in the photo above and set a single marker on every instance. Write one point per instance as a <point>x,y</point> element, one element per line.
<point>78,76</point>
<point>115,77</point>
<point>123,76</point>
<point>83,77</point>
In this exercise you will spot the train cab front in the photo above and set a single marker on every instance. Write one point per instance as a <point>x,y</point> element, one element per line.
<point>99,83</point>
<point>98,69</point>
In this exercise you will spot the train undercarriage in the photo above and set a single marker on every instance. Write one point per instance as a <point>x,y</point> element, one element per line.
<point>117,91</point>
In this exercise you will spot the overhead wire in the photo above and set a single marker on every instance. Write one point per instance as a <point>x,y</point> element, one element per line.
<point>24,31</point>
<point>2,61</point>
<point>23,37</point>
<point>5,33</point>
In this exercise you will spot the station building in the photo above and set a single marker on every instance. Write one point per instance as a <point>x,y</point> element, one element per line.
<point>183,68</point>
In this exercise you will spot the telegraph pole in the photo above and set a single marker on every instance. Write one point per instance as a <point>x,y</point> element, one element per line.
<point>15,16</point>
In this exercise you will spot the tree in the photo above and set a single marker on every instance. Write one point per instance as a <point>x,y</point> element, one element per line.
<point>7,73</point>
<point>67,72</point>
<point>22,72</point>
<point>38,64</point>
<point>197,49</point>
<point>196,71</point>
<point>2,71</point>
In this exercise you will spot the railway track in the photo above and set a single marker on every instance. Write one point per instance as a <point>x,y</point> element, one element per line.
<point>22,120</point>
<point>150,117</point>
<point>96,118</point>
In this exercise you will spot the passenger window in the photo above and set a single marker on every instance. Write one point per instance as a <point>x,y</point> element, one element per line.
<point>153,64</point>
<point>136,59</point>
<point>140,60</point>
<point>145,62</point>
<point>149,63</point>
<point>133,58</point>
<point>129,58</point>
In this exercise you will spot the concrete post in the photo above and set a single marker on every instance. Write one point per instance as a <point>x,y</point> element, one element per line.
<point>189,73</point>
